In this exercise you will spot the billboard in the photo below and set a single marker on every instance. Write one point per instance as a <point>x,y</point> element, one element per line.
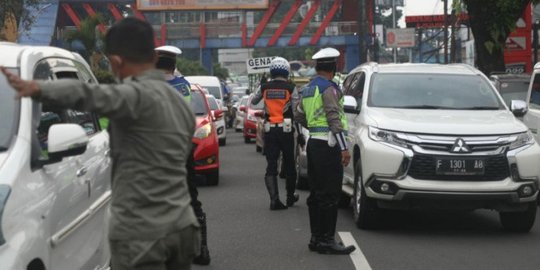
<point>400,37</point>
<point>158,5</point>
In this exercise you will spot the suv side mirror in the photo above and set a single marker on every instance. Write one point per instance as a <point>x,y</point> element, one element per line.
<point>350,105</point>
<point>519,108</point>
<point>66,140</point>
<point>243,108</point>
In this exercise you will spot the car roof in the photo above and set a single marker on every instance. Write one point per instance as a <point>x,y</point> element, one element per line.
<point>419,68</point>
<point>11,54</point>
<point>204,80</point>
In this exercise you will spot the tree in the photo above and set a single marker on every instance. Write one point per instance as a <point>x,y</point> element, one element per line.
<point>491,23</point>
<point>13,12</point>
<point>188,67</point>
<point>88,35</point>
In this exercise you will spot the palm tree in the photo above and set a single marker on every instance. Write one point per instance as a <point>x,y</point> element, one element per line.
<point>88,35</point>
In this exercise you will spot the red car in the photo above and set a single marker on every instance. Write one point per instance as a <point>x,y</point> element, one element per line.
<point>250,120</point>
<point>205,140</point>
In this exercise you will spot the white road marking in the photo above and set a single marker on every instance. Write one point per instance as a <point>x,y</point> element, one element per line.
<point>359,260</point>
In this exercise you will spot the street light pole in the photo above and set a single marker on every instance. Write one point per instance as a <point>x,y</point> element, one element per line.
<point>445,44</point>
<point>394,50</point>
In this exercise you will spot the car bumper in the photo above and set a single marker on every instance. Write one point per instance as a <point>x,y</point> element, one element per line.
<point>206,155</point>
<point>391,165</point>
<point>250,129</point>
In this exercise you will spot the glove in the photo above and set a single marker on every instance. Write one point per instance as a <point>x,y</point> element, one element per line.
<point>301,140</point>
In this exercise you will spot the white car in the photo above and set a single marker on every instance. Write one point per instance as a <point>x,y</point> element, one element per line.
<point>239,118</point>
<point>211,83</point>
<point>436,137</point>
<point>54,171</point>
<point>220,122</point>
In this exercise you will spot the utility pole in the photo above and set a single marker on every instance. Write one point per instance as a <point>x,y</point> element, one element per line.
<point>394,50</point>
<point>362,31</point>
<point>445,41</point>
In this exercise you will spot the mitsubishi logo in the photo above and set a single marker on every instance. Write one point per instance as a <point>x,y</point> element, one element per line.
<point>460,146</point>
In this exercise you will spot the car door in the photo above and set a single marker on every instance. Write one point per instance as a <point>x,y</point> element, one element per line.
<point>77,234</point>
<point>532,118</point>
<point>353,86</point>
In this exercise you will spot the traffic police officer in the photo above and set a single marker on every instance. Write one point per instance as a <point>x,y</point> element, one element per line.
<point>279,132</point>
<point>321,111</point>
<point>167,62</point>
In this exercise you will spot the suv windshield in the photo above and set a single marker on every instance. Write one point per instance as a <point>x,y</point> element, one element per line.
<point>432,91</point>
<point>197,103</point>
<point>8,112</point>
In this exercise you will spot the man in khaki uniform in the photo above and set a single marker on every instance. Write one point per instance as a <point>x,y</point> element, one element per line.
<point>152,223</point>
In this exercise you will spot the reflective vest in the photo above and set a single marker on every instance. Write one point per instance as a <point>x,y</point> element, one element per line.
<point>182,86</point>
<point>312,103</point>
<point>277,100</point>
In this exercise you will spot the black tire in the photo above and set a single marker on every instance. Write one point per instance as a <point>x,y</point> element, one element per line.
<point>366,212</point>
<point>258,148</point>
<point>222,142</point>
<point>247,140</point>
<point>212,179</point>
<point>344,200</point>
<point>519,221</point>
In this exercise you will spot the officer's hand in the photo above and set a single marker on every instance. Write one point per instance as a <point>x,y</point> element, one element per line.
<point>345,158</point>
<point>23,88</point>
<point>301,140</point>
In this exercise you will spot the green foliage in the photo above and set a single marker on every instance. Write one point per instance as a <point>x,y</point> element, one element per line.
<point>16,7</point>
<point>188,67</point>
<point>88,34</point>
<point>104,76</point>
<point>220,71</point>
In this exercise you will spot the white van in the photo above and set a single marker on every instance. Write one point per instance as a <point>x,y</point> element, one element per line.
<point>54,171</point>
<point>211,83</point>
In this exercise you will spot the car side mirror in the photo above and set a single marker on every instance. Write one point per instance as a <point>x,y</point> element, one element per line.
<point>350,105</point>
<point>519,108</point>
<point>243,108</point>
<point>259,113</point>
<point>66,140</point>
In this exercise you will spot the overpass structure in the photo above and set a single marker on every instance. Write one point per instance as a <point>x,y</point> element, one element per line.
<point>284,23</point>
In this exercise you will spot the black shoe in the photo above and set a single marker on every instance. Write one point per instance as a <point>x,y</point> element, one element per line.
<point>330,246</point>
<point>313,244</point>
<point>277,205</point>
<point>292,199</point>
<point>203,258</point>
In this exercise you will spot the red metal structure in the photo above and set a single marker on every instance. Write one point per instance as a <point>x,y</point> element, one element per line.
<point>285,22</point>
<point>304,22</point>
<point>262,24</point>
<point>92,13</point>
<point>325,22</point>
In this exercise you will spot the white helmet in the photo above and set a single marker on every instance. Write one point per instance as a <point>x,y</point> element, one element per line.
<point>168,49</point>
<point>279,67</point>
<point>326,53</point>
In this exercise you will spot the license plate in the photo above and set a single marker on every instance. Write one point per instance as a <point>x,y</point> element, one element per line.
<point>460,166</point>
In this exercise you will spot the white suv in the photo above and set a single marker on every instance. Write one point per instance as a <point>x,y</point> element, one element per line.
<point>438,137</point>
<point>54,171</point>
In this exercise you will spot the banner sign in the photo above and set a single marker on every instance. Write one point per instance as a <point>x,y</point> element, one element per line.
<point>157,5</point>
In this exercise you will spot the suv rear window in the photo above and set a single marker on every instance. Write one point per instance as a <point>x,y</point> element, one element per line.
<point>432,91</point>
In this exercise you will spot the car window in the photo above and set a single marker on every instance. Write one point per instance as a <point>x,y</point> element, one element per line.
<point>8,111</point>
<point>214,91</point>
<point>198,103</point>
<point>348,81</point>
<point>513,90</point>
<point>243,102</point>
<point>49,117</point>
<point>534,102</point>
<point>356,87</point>
<point>212,103</point>
<point>433,91</point>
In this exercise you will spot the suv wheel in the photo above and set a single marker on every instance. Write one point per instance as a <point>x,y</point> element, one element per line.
<point>519,221</point>
<point>365,209</point>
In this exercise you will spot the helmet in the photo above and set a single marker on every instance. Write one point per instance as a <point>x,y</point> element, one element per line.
<point>279,67</point>
<point>168,50</point>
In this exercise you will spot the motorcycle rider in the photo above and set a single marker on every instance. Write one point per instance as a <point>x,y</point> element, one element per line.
<point>279,131</point>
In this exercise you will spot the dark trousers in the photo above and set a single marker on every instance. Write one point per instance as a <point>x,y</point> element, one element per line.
<point>195,203</point>
<point>325,179</point>
<point>276,141</point>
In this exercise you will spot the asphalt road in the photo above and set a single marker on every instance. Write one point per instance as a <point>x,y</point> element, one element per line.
<point>245,234</point>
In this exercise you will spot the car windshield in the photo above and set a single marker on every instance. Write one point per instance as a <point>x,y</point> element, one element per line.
<point>198,104</point>
<point>214,91</point>
<point>514,90</point>
<point>212,103</point>
<point>432,91</point>
<point>8,112</point>
<point>258,106</point>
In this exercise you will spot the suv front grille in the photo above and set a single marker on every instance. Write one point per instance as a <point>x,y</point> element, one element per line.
<point>423,168</point>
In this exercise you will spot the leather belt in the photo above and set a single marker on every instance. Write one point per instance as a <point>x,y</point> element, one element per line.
<point>276,125</point>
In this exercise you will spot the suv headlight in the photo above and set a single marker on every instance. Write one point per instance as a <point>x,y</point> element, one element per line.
<point>4,194</point>
<point>523,139</point>
<point>390,137</point>
<point>203,131</point>
<point>252,118</point>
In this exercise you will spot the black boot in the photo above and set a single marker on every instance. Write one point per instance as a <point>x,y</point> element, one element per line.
<point>271,185</point>
<point>204,257</point>
<point>329,246</point>
<point>315,226</point>
<point>291,196</point>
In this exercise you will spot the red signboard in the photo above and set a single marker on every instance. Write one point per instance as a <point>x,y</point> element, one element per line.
<point>517,53</point>
<point>431,21</point>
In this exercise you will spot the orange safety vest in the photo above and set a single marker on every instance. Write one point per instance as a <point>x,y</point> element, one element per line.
<point>277,100</point>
